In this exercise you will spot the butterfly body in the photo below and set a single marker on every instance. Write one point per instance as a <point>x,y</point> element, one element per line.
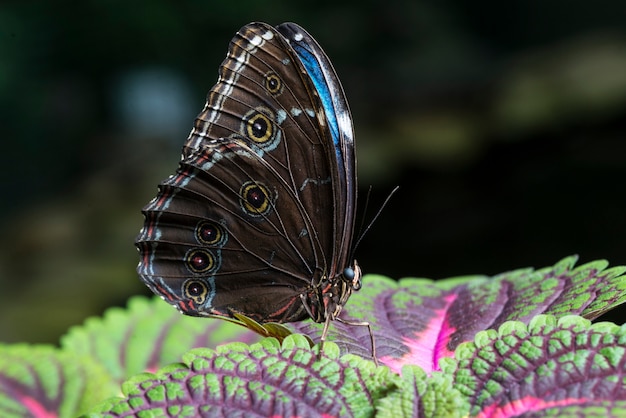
<point>258,218</point>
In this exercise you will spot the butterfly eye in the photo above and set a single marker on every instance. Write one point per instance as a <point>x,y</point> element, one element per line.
<point>273,84</point>
<point>259,125</point>
<point>200,261</point>
<point>259,128</point>
<point>196,290</point>
<point>255,198</point>
<point>353,275</point>
<point>210,233</point>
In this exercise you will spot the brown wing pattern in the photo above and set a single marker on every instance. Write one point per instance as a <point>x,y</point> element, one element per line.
<point>247,222</point>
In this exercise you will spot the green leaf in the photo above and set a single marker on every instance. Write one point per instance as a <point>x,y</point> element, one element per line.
<point>45,381</point>
<point>422,396</point>
<point>550,366</point>
<point>146,336</point>
<point>264,379</point>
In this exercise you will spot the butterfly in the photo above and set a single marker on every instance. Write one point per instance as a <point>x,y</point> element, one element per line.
<point>258,219</point>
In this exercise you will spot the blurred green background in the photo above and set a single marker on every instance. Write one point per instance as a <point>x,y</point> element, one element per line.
<point>503,123</point>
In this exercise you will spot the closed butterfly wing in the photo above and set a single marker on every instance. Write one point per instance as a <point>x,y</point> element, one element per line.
<point>258,218</point>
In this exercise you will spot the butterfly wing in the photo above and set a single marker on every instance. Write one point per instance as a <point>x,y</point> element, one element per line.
<point>342,154</point>
<point>260,208</point>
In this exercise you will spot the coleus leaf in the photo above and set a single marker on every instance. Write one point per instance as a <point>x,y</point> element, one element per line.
<point>146,336</point>
<point>420,321</point>
<point>43,381</point>
<point>564,367</point>
<point>420,395</point>
<point>265,379</point>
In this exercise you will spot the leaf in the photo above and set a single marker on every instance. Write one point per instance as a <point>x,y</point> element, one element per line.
<point>42,381</point>
<point>421,395</point>
<point>552,367</point>
<point>420,321</point>
<point>147,336</point>
<point>265,379</point>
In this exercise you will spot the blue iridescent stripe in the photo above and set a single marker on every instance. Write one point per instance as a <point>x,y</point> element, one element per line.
<point>319,81</point>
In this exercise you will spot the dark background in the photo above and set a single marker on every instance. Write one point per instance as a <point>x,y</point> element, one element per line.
<point>503,123</point>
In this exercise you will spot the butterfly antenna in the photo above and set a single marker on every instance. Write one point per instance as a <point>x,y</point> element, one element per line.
<point>380,210</point>
<point>367,202</point>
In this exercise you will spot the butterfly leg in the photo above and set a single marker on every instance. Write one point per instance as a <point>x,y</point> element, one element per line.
<point>326,323</point>
<point>360,324</point>
<point>323,337</point>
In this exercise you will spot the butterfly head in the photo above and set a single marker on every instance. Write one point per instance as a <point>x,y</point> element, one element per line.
<point>334,292</point>
<point>353,275</point>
